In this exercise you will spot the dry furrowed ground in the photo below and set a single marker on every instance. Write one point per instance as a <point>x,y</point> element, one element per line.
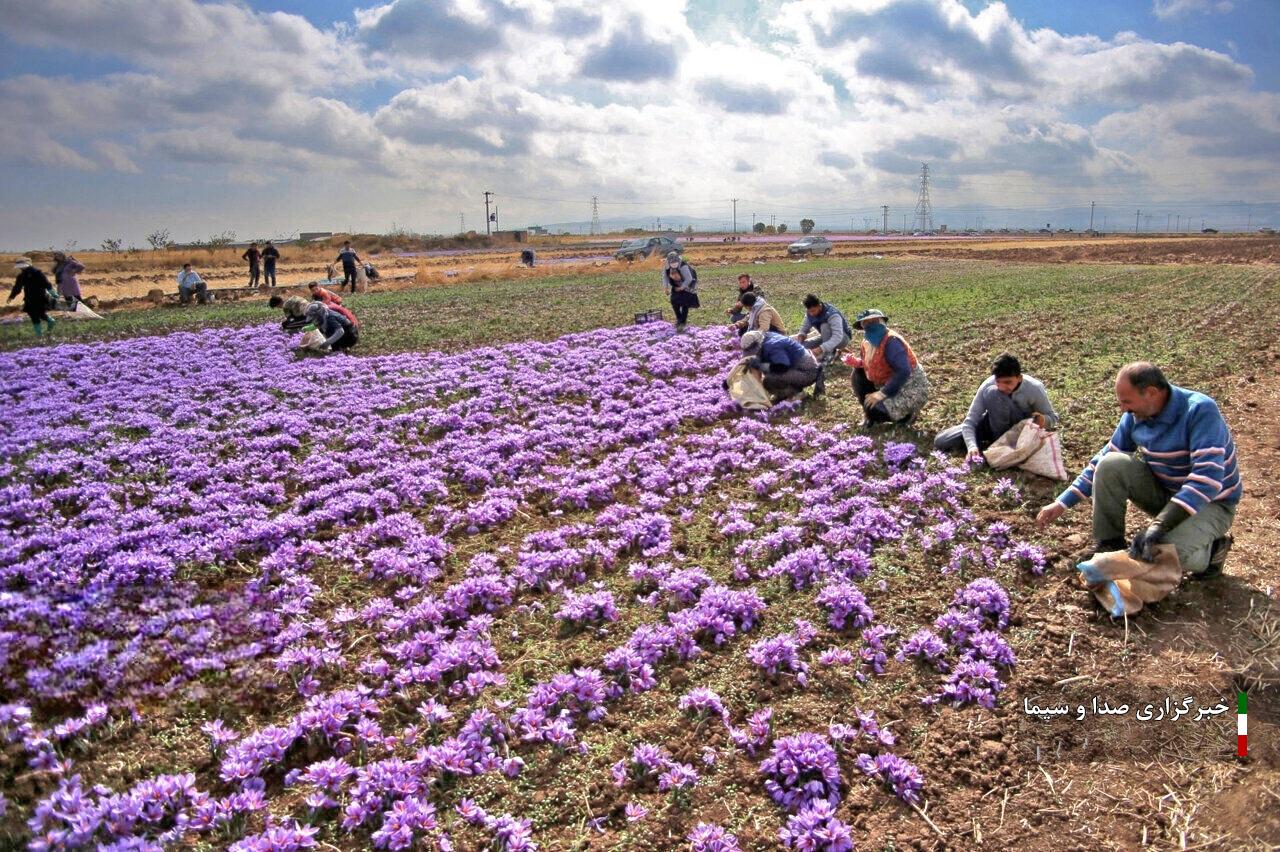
<point>269,439</point>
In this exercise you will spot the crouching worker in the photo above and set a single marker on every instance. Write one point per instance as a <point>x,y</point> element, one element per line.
<point>1173,457</point>
<point>890,383</point>
<point>1005,398</point>
<point>189,281</point>
<point>786,367</point>
<point>761,316</point>
<point>338,331</point>
<point>294,308</point>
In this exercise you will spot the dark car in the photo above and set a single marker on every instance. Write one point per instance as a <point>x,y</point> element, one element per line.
<point>646,246</point>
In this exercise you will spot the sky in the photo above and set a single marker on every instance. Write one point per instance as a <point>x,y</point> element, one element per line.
<point>125,117</point>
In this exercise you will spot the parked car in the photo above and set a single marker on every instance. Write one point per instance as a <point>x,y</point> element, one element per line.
<point>646,246</point>
<point>812,244</point>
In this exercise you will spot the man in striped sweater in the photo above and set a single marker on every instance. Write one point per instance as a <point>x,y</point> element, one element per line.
<point>1173,457</point>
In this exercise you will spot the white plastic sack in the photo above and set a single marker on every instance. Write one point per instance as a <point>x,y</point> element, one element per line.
<point>311,340</point>
<point>747,390</point>
<point>1029,447</point>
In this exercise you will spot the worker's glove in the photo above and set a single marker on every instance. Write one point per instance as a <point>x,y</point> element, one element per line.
<point>1144,543</point>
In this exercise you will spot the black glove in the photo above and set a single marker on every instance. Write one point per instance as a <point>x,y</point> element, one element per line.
<point>1144,543</point>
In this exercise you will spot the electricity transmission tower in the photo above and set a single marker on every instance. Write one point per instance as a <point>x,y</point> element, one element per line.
<point>924,209</point>
<point>884,211</point>
<point>595,215</point>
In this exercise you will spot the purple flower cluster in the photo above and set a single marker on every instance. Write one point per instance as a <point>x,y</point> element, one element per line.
<point>708,837</point>
<point>802,769</point>
<point>595,607</point>
<point>972,624</point>
<point>780,654</point>
<point>845,605</point>
<point>900,776</point>
<point>816,829</point>
<point>701,702</point>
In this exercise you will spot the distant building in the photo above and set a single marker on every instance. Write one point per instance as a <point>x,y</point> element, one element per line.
<point>313,236</point>
<point>537,231</point>
<point>512,236</point>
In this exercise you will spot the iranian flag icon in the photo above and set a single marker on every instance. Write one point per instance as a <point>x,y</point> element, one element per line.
<point>1242,726</point>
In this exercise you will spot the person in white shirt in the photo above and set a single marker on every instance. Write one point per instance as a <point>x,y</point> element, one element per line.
<point>189,281</point>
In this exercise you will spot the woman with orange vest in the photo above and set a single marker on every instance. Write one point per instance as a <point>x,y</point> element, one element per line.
<point>889,381</point>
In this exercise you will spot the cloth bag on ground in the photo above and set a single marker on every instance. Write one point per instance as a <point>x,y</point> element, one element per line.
<point>1028,446</point>
<point>747,390</point>
<point>1123,585</point>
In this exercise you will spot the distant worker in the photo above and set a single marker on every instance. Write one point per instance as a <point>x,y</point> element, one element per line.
<point>66,270</point>
<point>680,281</point>
<point>527,258</point>
<point>745,285</point>
<point>254,257</point>
<point>1004,398</point>
<point>321,294</point>
<point>832,327</point>
<point>1172,456</point>
<point>189,281</point>
<point>339,332</point>
<point>348,258</point>
<point>761,316</point>
<point>36,292</point>
<point>786,367</point>
<point>888,380</point>
<point>295,308</point>
<point>270,254</point>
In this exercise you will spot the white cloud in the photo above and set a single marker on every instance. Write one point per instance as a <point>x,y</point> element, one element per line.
<point>565,99</point>
<point>1169,9</point>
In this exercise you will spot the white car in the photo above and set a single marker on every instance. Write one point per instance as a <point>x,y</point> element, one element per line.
<point>811,244</point>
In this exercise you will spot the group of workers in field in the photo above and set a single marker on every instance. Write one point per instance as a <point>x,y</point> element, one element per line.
<point>1171,455</point>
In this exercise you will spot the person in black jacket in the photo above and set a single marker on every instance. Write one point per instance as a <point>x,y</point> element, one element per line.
<point>270,254</point>
<point>339,332</point>
<point>253,256</point>
<point>36,295</point>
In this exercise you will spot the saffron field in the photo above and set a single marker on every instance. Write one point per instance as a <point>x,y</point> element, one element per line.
<point>546,589</point>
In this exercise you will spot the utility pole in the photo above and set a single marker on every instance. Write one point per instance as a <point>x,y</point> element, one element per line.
<point>462,223</point>
<point>884,212</point>
<point>1104,223</point>
<point>904,223</point>
<point>595,215</point>
<point>1091,203</point>
<point>773,221</point>
<point>735,215</point>
<point>1168,217</point>
<point>487,220</point>
<point>1179,225</point>
<point>1137,217</point>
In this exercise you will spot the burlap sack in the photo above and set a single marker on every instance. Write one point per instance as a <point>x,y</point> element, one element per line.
<point>1123,585</point>
<point>746,388</point>
<point>1029,447</point>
